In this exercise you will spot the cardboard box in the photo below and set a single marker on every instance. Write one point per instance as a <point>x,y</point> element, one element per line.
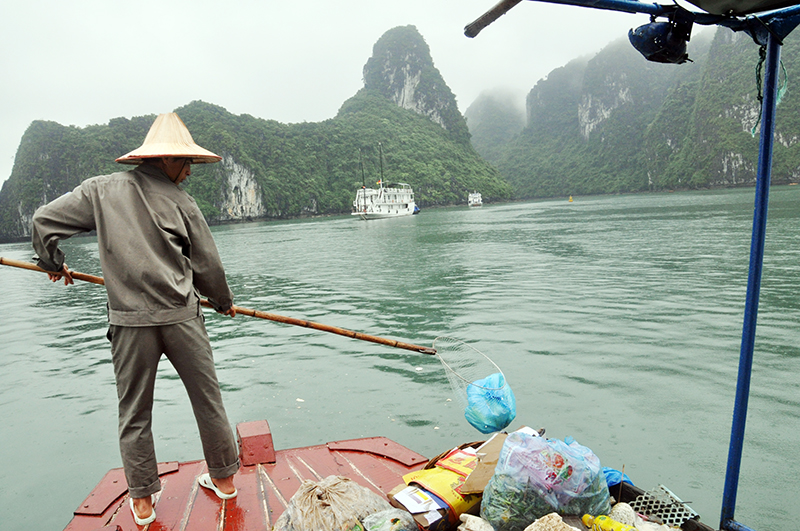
<point>487,456</point>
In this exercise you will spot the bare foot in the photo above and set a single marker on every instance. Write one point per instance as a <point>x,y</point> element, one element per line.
<point>225,484</point>
<point>143,507</point>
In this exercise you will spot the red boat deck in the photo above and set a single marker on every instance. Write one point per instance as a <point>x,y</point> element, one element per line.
<point>266,482</point>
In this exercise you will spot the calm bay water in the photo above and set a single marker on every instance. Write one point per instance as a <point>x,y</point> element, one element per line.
<point>616,320</point>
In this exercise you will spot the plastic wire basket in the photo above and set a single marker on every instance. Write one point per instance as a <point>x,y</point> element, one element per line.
<point>661,502</point>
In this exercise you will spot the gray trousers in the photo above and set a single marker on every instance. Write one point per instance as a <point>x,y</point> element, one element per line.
<point>135,352</point>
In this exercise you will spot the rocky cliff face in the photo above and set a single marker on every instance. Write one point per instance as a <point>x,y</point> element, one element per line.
<point>617,123</point>
<point>402,70</point>
<point>243,197</point>
<point>594,111</point>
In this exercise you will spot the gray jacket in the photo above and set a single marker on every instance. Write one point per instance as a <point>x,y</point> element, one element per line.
<point>156,250</point>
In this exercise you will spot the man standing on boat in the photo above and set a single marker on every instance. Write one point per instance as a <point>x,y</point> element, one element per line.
<point>157,256</point>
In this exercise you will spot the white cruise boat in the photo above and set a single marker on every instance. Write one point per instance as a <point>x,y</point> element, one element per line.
<point>390,201</point>
<point>475,199</point>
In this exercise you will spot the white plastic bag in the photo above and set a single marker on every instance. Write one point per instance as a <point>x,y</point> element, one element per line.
<point>390,520</point>
<point>334,504</point>
<point>535,476</point>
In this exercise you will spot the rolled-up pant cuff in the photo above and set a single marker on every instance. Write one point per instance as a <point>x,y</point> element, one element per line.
<point>224,472</point>
<point>144,492</point>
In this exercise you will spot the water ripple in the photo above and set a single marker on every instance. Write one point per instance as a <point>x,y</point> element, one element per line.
<point>616,320</point>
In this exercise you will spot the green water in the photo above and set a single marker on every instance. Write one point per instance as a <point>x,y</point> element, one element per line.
<point>616,320</point>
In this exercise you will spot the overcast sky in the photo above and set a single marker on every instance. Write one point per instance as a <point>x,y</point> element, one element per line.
<point>84,62</point>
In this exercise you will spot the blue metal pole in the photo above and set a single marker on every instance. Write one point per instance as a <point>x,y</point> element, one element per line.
<point>753,283</point>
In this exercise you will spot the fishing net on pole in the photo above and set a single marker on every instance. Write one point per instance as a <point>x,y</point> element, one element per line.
<point>478,383</point>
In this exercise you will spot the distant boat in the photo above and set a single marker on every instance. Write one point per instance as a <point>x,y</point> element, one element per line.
<point>390,201</point>
<point>387,201</point>
<point>474,199</point>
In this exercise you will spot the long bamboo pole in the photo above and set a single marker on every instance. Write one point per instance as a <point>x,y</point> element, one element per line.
<point>252,313</point>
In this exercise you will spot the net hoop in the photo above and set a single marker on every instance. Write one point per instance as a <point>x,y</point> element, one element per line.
<point>453,346</point>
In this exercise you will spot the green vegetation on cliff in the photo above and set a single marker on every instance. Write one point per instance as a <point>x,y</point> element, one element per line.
<point>283,170</point>
<point>313,168</point>
<point>302,169</point>
<point>52,159</point>
<point>616,123</point>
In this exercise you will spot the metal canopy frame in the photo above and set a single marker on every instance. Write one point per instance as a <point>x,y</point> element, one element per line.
<point>767,29</point>
<point>740,7</point>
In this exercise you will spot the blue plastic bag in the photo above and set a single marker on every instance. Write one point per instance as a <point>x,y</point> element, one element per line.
<point>491,405</point>
<point>615,477</point>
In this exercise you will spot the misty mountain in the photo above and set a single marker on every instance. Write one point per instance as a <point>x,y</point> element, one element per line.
<point>494,119</point>
<point>271,170</point>
<point>617,123</point>
<point>402,70</point>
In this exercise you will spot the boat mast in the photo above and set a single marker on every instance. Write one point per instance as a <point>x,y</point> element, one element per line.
<point>380,160</point>
<point>363,182</point>
<point>380,163</point>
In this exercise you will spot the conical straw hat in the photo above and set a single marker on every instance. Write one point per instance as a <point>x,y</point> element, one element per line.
<point>169,137</point>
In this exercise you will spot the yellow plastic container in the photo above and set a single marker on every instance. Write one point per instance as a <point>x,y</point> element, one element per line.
<point>604,523</point>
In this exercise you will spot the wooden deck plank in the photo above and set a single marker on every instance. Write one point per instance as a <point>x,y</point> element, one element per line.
<point>383,474</point>
<point>110,488</point>
<point>322,463</point>
<point>383,447</point>
<point>177,494</point>
<point>273,501</point>
<point>247,510</point>
<point>208,511</point>
<point>283,482</point>
<point>368,470</point>
<point>108,500</point>
<point>264,489</point>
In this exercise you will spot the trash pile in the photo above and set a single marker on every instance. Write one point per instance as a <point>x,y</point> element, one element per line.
<point>518,481</point>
